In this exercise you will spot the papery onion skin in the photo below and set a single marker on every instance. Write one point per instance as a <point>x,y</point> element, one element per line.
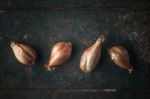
<point>90,57</point>
<point>120,56</point>
<point>24,53</point>
<point>60,53</point>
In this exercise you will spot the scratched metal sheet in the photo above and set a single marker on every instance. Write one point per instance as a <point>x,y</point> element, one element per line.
<point>42,27</point>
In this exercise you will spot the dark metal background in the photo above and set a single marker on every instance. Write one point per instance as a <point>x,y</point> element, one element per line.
<point>43,23</point>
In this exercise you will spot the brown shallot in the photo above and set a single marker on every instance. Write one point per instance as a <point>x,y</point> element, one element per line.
<point>91,56</point>
<point>120,56</point>
<point>60,53</point>
<point>25,54</point>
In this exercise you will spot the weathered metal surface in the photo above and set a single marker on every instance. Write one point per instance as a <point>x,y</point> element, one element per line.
<point>42,25</point>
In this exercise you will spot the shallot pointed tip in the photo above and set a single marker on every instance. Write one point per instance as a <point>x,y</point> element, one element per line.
<point>101,38</point>
<point>69,43</point>
<point>130,71</point>
<point>12,43</point>
<point>49,68</point>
